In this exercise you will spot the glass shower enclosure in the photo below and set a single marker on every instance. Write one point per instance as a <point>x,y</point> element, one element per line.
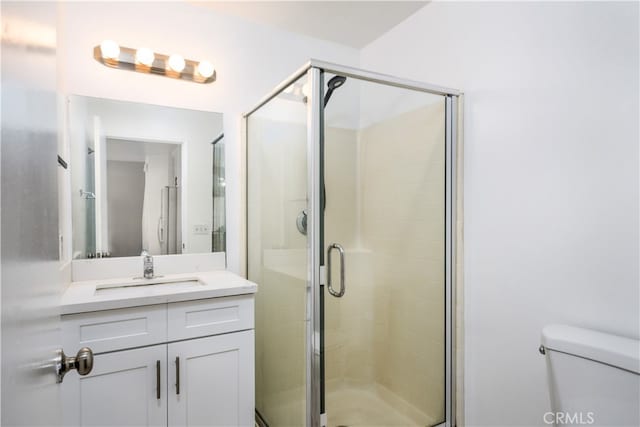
<point>350,238</point>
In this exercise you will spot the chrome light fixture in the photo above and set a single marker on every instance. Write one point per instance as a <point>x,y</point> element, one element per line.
<point>144,60</point>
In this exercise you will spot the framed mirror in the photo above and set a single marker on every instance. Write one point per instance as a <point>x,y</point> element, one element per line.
<point>145,177</point>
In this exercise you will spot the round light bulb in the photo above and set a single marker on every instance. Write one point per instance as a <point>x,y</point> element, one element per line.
<point>176,63</point>
<point>205,69</point>
<point>145,56</point>
<point>110,49</point>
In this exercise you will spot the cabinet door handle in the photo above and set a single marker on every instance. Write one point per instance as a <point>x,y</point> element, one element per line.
<point>158,379</point>
<point>177,375</point>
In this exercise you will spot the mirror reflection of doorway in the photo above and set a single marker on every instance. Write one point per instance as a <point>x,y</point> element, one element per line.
<point>143,197</point>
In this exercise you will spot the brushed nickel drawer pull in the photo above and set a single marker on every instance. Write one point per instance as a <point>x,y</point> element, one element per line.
<point>177,375</point>
<point>158,379</point>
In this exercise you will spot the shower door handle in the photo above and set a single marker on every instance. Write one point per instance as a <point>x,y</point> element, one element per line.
<point>343,288</point>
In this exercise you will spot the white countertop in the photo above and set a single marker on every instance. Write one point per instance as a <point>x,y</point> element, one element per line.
<point>82,297</point>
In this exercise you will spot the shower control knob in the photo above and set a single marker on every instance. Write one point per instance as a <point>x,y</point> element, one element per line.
<point>301,222</point>
<point>82,362</point>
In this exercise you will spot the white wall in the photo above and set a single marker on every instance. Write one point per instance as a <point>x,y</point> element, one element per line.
<point>250,60</point>
<point>550,175</point>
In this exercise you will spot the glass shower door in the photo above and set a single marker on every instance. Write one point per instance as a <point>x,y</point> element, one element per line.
<point>384,255</point>
<point>349,237</point>
<point>277,253</point>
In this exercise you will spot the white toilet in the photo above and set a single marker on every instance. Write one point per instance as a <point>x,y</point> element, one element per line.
<point>594,377</point>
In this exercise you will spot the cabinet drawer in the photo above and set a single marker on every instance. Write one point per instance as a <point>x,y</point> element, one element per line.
<point>116,329</point>
<point>191,319</point>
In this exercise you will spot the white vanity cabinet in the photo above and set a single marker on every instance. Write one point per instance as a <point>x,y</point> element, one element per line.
<point>187,363</point>
<point>209,379</point>
<point>121,390</point>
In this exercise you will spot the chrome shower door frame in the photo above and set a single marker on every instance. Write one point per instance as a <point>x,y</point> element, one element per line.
<point>315,70</point>
<point>315,250</point>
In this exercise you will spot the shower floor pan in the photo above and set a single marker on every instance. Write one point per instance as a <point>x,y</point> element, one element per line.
<point>351,406</point>
<point>371,406</point>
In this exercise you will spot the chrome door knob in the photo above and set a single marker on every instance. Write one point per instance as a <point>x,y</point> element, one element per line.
<point>82,362</point>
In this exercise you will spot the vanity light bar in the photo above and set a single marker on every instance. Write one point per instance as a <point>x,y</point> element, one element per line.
<point>144,60</point>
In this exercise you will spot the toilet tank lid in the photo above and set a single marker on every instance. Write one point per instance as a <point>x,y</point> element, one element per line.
<point>606,348</point>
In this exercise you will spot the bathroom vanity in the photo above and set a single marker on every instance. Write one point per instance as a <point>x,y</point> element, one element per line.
<point>172,342</point>
<point>175,350</point>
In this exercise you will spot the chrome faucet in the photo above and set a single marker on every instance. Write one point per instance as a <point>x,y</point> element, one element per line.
<point>148,265</point>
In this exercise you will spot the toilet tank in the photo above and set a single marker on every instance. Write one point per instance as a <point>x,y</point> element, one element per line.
<point>593,377</point>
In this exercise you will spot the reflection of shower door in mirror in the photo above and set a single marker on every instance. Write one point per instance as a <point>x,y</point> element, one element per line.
<point>88,196</point>
<point>168,224</point>
<point>218,232</point>
<point>350,237</point>
<point>100,185</point>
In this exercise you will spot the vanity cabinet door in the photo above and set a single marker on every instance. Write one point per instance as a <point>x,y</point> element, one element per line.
<point>211,381</point>
<point>125,388</point>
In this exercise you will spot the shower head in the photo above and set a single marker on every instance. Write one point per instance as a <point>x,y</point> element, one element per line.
<point>332,85</point>
<point>336,82</point>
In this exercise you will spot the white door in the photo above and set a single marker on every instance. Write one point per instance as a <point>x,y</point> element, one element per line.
<point>125,388</point>
<point>31,279</point>
<point>211,381</point>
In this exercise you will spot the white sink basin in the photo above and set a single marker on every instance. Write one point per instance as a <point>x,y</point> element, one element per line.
<point>151,284</point>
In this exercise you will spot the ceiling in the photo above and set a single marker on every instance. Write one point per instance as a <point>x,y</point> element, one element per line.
<point>352,23</point>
